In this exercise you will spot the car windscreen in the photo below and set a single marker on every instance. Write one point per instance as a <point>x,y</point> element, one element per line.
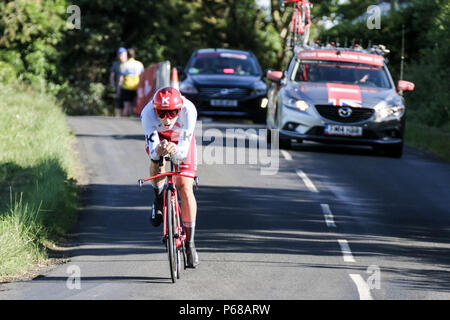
<point>224,63</point>
<point>347,73</point>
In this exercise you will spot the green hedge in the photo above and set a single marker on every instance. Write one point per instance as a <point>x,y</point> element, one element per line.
<point>39,198</point>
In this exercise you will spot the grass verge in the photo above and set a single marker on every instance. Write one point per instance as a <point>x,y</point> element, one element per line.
<point>38,194</point>
<point>435,140</point>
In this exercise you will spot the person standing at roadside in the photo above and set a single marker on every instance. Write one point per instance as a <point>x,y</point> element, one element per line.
<point>114,76</point>
<point>129,81</point>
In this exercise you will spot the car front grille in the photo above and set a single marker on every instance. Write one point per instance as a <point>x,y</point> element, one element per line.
<point>223,93</point>
<point>332,113</point>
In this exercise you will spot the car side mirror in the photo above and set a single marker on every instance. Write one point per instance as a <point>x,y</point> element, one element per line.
<point>403,85</point>
<point>274,76</point>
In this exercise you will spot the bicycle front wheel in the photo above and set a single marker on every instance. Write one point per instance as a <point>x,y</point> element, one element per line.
<point>171,243</point>
<point>177,239</point>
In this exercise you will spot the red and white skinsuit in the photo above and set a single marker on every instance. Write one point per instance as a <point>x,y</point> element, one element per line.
<point>182,134</point>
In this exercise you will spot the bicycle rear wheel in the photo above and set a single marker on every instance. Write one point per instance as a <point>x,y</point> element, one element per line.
<point>299,34</point>
<point>171,243</point>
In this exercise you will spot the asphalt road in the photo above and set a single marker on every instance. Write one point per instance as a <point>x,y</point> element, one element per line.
<point>333,223</point>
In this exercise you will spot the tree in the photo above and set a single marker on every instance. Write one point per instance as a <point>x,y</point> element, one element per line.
<point>29,32</point>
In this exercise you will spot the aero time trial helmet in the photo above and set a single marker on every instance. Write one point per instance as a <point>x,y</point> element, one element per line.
<point>167,98</point>
<point>167,102</point>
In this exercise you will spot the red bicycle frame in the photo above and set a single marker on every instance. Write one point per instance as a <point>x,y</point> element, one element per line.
<point>297,11</point>
<point>175,204</point>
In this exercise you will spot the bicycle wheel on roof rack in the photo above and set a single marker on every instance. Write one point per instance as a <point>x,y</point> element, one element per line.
<point>300,23</point>
<point>306,24</point>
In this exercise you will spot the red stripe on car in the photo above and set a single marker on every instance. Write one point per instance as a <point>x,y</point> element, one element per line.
<point>344,95</point>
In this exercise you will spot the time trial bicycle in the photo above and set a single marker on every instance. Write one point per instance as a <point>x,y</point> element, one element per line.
<point>173,235</point>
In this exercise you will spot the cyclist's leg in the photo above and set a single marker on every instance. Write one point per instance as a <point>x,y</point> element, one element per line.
<point>188,203</point>
<point>188,215</point>
<point>156,215</point>
<point>159,183</point>
<point>185,185</point>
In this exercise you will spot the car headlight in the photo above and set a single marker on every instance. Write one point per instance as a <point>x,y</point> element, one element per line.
<point>259,88</point>
<point>386,112</point>
<point>187,87</point>
<point>295,104</point>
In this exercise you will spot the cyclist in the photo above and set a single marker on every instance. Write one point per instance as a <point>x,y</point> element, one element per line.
<point>169,122</point>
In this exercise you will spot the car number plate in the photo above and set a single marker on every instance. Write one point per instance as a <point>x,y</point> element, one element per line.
<point>224,103</point>
<point>337,130</point>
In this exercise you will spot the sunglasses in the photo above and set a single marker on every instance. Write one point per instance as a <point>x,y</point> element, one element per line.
<point>167,113</point>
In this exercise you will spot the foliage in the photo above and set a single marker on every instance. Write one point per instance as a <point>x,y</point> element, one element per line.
<point>73,64</point>
<point>83,98</point>
<point>432,139</point>
<point>38,199</point>
<point>426,27</point>
<point>431,73</point>
<point>29,31</point>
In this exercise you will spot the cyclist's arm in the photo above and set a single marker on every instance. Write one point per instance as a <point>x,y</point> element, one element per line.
<point>148,119</point>
<point>187,131</point>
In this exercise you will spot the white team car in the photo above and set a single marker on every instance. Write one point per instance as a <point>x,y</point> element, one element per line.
<point>338,95</point>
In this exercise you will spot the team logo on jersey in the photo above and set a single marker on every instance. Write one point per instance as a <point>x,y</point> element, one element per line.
<point>150,138</point>
<point>186,136</point>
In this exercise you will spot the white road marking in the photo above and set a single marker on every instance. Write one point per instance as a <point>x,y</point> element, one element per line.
<point>309,184</point>
<point>362,286</point>
<point>346,252</point>
<point>328,215</point>
<point>286,155</point>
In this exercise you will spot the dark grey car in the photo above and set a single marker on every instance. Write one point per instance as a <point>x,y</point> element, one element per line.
<point>225,82</point>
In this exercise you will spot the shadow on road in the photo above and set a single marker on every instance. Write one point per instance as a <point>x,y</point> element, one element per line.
<point>102,280</point>
<point>274,221</point>
<point>271,222</point>
<point>282,224</point>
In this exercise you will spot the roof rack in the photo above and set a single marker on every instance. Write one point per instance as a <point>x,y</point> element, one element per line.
<point>375,49</point>
<point>380,49</point>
